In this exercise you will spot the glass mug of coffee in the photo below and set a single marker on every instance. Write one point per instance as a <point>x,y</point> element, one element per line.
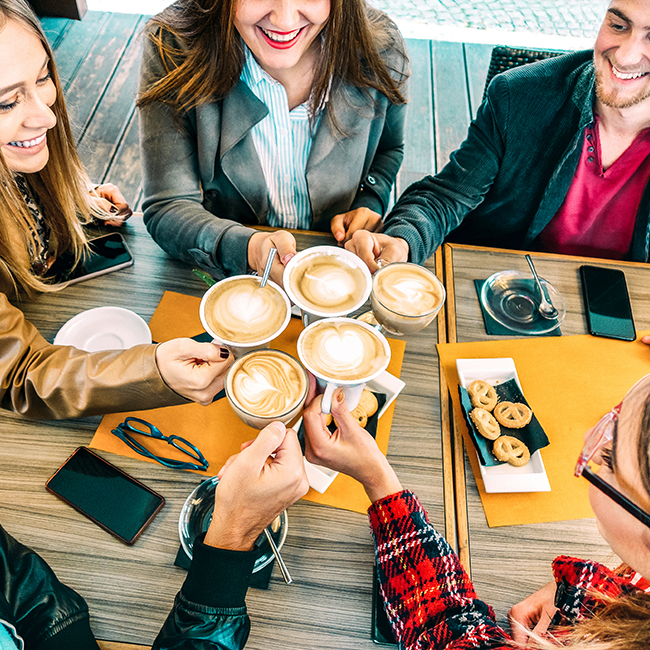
<point>326,281</point>
<point>343,353</point>
<point>405,297</point>
<point>241,315</point>
<point>263,386</point>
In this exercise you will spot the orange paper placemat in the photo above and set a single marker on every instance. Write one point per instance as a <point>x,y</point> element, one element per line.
<point>215,429</point>
<point>569,382</point>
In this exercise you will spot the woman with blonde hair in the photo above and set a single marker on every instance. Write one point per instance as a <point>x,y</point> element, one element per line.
<point>429,599</point>
<point>281,113</point>
<point>45,199</point>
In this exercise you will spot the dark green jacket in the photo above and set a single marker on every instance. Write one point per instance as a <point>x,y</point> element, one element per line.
<point>511,175</point>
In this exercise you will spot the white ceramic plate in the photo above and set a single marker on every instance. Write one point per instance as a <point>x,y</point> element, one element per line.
<point>503,478</point>
<point>320,478</point>
<point>104,328</point>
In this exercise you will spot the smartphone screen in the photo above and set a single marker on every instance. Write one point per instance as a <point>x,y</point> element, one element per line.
<point>105,494</point>
<point>607,303</point>
<point>381,630</point>
<point>107,253</point>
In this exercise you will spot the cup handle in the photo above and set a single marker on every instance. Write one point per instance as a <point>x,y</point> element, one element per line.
<point>326,402</point>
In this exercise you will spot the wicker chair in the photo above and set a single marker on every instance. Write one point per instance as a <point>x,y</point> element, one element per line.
<point>504,58</point>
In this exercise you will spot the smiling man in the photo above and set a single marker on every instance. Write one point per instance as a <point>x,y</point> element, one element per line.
<point>557,159</point>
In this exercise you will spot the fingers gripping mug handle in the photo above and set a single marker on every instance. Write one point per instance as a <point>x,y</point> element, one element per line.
<point>326,402</point>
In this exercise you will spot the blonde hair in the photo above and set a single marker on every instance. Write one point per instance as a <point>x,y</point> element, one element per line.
<point>62,186</point>
<point>622,623</point>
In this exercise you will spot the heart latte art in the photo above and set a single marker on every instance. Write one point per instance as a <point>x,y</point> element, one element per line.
<point>327,284</point>
<point>342,350</point>
<point>405,297</point>
<point>237,310</point>
<point>267,384</point>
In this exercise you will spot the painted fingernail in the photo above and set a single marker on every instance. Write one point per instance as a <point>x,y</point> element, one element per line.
<point>286,258</point>
<point>224,353</point>
<point>339,397</point>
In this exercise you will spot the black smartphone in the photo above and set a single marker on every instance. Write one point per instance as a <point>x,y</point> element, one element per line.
<point>381,630</point>
<point>607,303</point>
<point>104,493</point>
<point>107,253</point>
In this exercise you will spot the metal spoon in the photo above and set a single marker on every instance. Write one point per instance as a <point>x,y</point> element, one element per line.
<point>276,551</point>
<point>546,309</point>
<point>267,268</point>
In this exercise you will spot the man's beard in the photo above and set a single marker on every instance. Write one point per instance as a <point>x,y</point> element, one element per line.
<point>612,97</point>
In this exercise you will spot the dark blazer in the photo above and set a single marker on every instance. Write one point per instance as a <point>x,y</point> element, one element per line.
<point>511,175</point>
<point>204,181</point>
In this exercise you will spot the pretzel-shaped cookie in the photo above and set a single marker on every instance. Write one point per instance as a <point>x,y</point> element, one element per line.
<point>511,450</point>
<point>513,415</point>
<point>482,395</point>
<point>485,423</point>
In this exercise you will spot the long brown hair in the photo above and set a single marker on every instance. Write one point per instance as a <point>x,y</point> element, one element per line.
<point>210,60</point>
<point>62,186</point>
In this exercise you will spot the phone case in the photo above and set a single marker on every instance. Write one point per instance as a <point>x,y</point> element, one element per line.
<point>101,462</point>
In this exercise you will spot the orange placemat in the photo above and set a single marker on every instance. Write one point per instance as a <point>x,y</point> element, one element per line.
<point>569,382</point>
<point>215,429</point>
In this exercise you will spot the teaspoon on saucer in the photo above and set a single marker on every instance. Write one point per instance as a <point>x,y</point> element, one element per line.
<point>546,309</point>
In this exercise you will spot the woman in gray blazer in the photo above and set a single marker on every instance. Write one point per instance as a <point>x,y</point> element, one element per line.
<point>267,112</point>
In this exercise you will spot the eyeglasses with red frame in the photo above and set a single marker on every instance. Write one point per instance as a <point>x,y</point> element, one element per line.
<point>601,435</point>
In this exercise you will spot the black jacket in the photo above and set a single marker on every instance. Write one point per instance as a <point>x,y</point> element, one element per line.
<point>209,612</point>
<point>511,175</point>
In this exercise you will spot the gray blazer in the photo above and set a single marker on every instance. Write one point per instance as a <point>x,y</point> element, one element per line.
<point>204,180</point>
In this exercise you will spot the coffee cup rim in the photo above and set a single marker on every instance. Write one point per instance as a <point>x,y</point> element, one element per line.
<point>327,250</point>
<point>344,382</point>
<point>238,344</point>
<point>239,360</point>
<point>435,310</point>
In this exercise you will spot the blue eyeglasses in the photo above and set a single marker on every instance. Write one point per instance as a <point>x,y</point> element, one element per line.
<point>126,428</point>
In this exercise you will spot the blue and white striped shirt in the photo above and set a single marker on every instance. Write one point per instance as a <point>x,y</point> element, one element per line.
<point>283,141</point>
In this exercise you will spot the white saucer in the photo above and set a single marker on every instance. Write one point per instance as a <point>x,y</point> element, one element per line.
<point>104,328</point>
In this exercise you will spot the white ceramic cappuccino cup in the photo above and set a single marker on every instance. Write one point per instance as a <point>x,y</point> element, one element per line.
<point>242,316</point>
<point>343,353</point>
<point>263,386</point>
<point>326,282</point>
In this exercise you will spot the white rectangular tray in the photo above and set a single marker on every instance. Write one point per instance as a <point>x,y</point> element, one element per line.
<point>503,478</point>
<point>320,478</point>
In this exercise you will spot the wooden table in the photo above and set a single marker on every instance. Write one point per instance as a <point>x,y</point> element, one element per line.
<point>130,589</point>
<point>509,563</point>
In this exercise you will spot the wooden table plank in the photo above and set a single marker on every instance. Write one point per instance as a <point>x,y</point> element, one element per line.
<point>55,29</point>
<point>477,60</point>
<point>451,105</point>
<point>418,143</point>
<point>97,70</point>
<point>73,49</point>
<point>114,112</point>
<point>508,563</point>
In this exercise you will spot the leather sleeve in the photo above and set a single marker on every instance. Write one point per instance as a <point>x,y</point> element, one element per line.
<point>45,613</point>
<point>47,381</point>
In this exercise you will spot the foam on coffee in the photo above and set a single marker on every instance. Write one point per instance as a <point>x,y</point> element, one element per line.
<point>342,350</point>
<point>407,289</point>
<point>267,383</point>
<point>327,283</point>
<point>238,310</point>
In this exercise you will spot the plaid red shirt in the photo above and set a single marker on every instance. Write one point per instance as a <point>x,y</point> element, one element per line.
<point>430,600</point>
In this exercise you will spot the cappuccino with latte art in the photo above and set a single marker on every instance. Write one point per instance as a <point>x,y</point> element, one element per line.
<point>327,281</point>
<point>405,297</point>
<point>238,312</point>
<point>266,385</point>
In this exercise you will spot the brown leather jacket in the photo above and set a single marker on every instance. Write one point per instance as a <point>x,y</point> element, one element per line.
<point>48,381</point>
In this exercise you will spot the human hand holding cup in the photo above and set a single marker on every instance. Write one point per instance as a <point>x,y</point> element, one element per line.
<point>242,316</point>
<point>343,353</point>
